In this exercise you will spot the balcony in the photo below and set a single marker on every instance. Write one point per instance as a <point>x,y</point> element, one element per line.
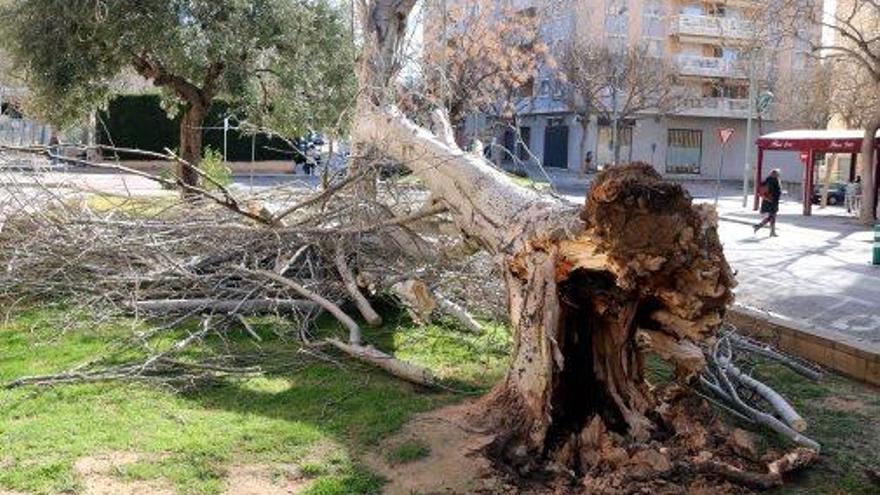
<point>716,107</point>
<point>717,28</point>
<point>693,65</point>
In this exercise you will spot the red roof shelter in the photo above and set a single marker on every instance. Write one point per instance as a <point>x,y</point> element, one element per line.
<point>810,144</point>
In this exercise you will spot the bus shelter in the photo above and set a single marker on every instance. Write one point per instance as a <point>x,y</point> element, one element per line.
<point>812,144</point>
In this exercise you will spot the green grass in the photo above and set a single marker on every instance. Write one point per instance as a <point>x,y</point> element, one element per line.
<point>528,182</point>
<point>850,437</point>
<point>337,410</point>
<point>319,416</point>
<point>844,417</point>
<point>142,207</point>
<point>408,451</point>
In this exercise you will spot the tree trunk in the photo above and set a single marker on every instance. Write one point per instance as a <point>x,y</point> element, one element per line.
<point>579,286</point>
<point>585,128</point>
<point>868,214</point>
<point>191,143</point>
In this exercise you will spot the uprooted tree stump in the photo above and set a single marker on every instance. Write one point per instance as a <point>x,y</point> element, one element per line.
<point>645,267</point>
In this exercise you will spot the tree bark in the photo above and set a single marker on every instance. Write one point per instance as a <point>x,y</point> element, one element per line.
<point>191,143</point>
<point>585,128</point>
<point>640,255</point>
<point>197,100</point>
<point>868,214</point>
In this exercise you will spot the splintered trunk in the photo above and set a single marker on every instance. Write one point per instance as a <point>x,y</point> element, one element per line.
<point>868,214</point>
<point>589,289</point>
<point>191,143</point>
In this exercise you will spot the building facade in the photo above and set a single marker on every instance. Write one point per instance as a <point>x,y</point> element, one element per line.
<point>709,44</point>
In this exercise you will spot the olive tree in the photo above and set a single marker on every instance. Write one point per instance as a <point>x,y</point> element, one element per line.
<point>284,62</point>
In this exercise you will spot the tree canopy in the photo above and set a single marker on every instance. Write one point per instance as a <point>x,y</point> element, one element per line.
<point>287,63</point>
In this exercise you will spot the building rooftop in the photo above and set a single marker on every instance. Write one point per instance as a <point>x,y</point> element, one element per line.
<point>815,134</point>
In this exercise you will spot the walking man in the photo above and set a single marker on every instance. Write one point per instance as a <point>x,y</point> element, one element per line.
<point>771,192</point>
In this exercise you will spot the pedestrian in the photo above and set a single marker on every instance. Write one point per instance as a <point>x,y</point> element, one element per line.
<point>588,163</point>
<point>54,148</point>
<point>311,159</point>
<point>857,195</point>
<point>771,193</point>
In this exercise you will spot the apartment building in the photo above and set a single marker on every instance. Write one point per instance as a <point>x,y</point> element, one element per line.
<point>708,43</point>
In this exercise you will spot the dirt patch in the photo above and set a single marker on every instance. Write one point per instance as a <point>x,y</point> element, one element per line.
<point>455,464</point>
<point>98,475</point>
<point>845,404</point>
<point>263,480</point>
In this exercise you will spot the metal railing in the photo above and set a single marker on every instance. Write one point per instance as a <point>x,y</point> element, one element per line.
<point>713,27</point>
<point>716,107</point>
<point>694,65</point>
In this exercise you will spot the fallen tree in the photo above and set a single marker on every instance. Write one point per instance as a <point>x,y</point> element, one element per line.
<point>579,286</point>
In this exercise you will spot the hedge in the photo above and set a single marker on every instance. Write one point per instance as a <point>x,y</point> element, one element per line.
<point>139,122</point>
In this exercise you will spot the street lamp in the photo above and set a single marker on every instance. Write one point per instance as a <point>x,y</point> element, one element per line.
<point>756,102</point>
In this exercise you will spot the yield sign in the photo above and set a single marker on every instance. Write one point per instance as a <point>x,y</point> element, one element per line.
<point>724,135</point>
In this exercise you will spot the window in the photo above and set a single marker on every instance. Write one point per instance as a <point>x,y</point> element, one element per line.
<point>726,53</point>
<point>545,88</point>
<point>692,10</point>
<point>737,92</point>
<point>684,151</point>
<point>616,17</point>
<point>527,89</point>
<point>652,20</point>
<point>718,10</point>
<point>558,90</point>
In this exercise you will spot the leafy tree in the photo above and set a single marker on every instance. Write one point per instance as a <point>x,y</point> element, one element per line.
<point>286,63</point>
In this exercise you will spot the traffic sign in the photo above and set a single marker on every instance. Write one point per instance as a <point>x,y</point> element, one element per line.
<point>724,135</point>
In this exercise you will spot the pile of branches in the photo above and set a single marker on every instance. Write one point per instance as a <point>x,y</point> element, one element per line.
<point>217,255</point>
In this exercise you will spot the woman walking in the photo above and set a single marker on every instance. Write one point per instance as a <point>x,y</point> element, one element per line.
<point>771,192</point>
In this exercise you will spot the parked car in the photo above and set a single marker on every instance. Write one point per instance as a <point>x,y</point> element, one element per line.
<point>836,193</point>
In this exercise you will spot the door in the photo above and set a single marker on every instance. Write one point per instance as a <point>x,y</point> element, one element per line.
<point>556,146</point>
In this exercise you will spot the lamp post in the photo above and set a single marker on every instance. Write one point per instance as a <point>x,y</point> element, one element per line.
<point>759,103</point>
<point>753,90</point>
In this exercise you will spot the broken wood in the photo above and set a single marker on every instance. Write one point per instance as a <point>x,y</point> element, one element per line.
<point>364,307</point>
<point>245,306</point>
<point>354,335</point>
<point>401,369</point>
<point>460,314</point>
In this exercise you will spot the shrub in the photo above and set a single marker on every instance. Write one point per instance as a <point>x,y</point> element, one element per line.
<point>214,167</point>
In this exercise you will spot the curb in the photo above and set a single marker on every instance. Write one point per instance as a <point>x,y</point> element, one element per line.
<point>830,350</point>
